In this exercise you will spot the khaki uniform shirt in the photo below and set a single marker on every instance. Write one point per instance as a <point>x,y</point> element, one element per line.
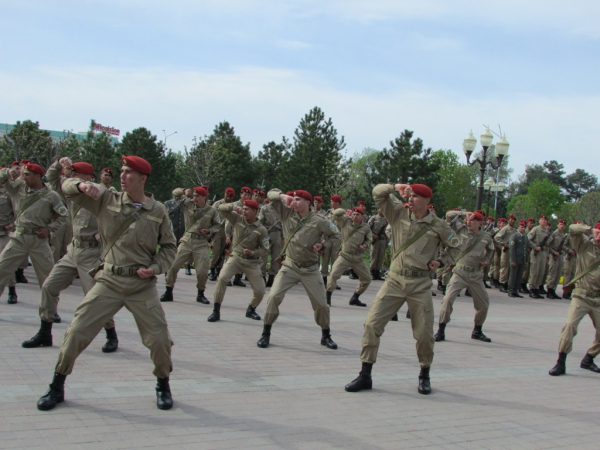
<point>557,239</point>
<point>209,220</point>
<point>269,218</point>
<point>300,247</point>
<point>137,246</point>
<point>502,237</point>
<point>482,252</point>
<point>7,217</point>
<point>252,236</point>
<point>588,254</point>
<point>536,236</point>
<point>40,214</point>
<point>405,225</point>
<point>378,225</point>
<point>352,236</point>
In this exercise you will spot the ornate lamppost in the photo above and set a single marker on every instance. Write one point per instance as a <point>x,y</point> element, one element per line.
<point>469,145</point>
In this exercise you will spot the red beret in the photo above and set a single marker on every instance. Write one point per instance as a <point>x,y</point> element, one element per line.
<point>246,190</point>
<point>361,202</point>
<point>16,163</point>
<point>205,187</point>
<point>480,212</point>
<point>25,161</point>
<point>230,191</point>
<point>252,204</point>
<point>576,222</point>
<point>336,198</point>
<point>512,216</point>
<point>200,191</point>
<point>290,193</point>
<point>35,168</point>
<point>358,209</point>
<point>107,170</point>
<point>421,190</point>
<point>543,217</point>
<point>562,221</point>
<point>267,201</point>
<point>522,223</point>
<point>83,167</point>
<point>138,164</point>
<point>531,220</point>
<point>318,199</point>
<point>502,219</point>
<point>476,216</point>
<point>303,194</point>
<point>430,207</point>
<point>490,218</point>
<point>263,194</point>
<point>597,226</point>
<point>259,192</point>
<point>255,191</point>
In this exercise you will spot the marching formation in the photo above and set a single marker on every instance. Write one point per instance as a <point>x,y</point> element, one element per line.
<point>118,242</point>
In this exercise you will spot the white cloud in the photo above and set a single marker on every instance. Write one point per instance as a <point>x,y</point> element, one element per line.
<point>294,45</point>
<point>264,104</point>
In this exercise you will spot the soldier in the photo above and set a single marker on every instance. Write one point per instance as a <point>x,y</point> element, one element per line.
<point>356,237</point>
<point>501,239</point>
<point>378,224</point>
<point>489,226</point>
<point>82,254</point>
<point>245,194</point>
<point>176,213</point>
<point>15,173</point>
<point>585,298</point>
<point>477,249</point>
<point>189,193</point>
<point>570,266</point>
<point>416,236</point>
<point>363,205</point>
<point>318,206</point>
<point>302,230</point>
<point>525,279</point>
<point>556,252</point>
<point>518,245</point>
<point>538,241</point>
<point>273,225</point>
<point>251,243</point>
<point>453,218</point>
<point>217,256</point>
<point>106,177</point>
<point>201,221</point>
<point>126,277</point>
<point>7,219</point>
<point>497,258</point>
<point>36,206</point>
<point>330,254</point>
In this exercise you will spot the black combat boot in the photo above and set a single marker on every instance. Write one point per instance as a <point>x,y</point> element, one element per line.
<point>560,367</point>
<point>542,291</point>
<point>503,287</point>
<point>373,275</point>
<point>12,295</point>
<point>588,363</point>
<point>54,395</point>
<point>487,286</point>
<point>43,338</point>
<point>441,333</point>
<point>363,381</point>
<point>20,277</point>
<point>337,287</point>
<point>329,297</point>
<point>378,275</point>
<point>216,314</point>
<point>188,269</point>
<point>263,342</point>
<point>237,280</point>
<point>443,289</point>
<point>168,295</point>
<point>212,275</point>
<point>164,399</point>
<point>56,318</point>
<point>408,313</point>
<point>394,318</point>
<point>514,294</point>
<point>112,342</point>
<point>552,294</point>
<point>354,301</point>
<point>439,286</point>
<point>533,293</point>
<point>200,298</point>
<point>524,289</point>
<point>468,293</point>
<point>478,334</point>
<point>251,313</point>
<point>424,381</point>
<point>270,281</point>
<point>326,339</point>
<point>353,275</point>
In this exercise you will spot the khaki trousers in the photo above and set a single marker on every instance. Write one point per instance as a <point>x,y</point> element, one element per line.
<point>18,248</point>
<point>251,267</point>
<point>275,238</point>
<point>60,240</point>
<point>555,271</point>
<point>526,272</point>
<point>77,261</point>
<point>341,265</point>
<point>496,263</point>
<point>378,253</point>
<point>581,306</point>
<point>195,250</point>
<point>101,304</point>
<point>537,266</point>
<point>474,282</point>
<point>569,270</point>
<point>396,290</point>
<point>218,245</point>
<point>504,266</point>
<point>289,276</point>
<point>3,242</point>
<point>329,255</point>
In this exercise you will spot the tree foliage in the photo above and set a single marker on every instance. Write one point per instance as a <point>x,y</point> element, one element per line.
<point>271,164</point>
<point>27,141</point>
<point>456,185</point>
<point>543,197</point>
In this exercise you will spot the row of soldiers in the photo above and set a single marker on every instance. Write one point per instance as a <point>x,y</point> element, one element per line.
<point>130,237</point>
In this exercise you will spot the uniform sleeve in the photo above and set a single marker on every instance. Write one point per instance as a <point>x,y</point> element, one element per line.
<point>61,212</point>
<point>500,237</point>
<point>368,238</point>
<point>215,225</point>
<point>489,251</point>
<point>577,232</point>
<point>531,237</point>
<point>263,244</point>
<point>392,210</point>
<point>282,211</point>
<point>512,248</point>
<point>163,260</point>
<point>450,241</point>
<point>71,190</point>
<point>53,175</point>
<point>12,187</point>
<point>4,176</point>
<point>328,230</point>
<point>227,210</point>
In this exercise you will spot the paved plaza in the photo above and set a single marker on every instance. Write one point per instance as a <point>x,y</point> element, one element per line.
<point>231,394</point>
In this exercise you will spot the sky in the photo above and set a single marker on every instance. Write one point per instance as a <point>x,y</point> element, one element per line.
<point>439,68</point>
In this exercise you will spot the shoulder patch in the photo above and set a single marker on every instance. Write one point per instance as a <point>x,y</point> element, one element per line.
<point>61,209</point>
<point>154,219</point>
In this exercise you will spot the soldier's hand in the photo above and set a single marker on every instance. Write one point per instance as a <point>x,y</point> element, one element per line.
<point>90,190</point>
<point>287,200</point>
<point>9,227</point>
<point>402,189</point>
<point>239,210</point>
<point>375,237</point>
<point>65,162</point>
<point>42,232</point>
<point>145,273</point>
<point>483,264</point>
<point>514,264</point>
<point>247,252</point>
<point>204,231</point>
<point>433,265</point>
<point>97,236</point>
<point>228,240</point>
<point>14,172</point>
<point>317,247</point>
<point>538,248</point>
<point>362,247</point>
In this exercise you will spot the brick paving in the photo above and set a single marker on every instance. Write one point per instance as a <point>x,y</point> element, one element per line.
<point>231,394</point>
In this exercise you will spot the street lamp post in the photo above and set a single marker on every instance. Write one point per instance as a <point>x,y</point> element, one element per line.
<point>498,188</point>
<point>165,133</point>
<point>469,144</point>
<point>487,186</point>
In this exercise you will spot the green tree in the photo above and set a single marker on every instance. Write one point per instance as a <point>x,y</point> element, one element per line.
<point>27,141</point>
<point>407,161</point>
<point>543,197</point>
<point>457,183</point>
<point>204,162</point>
<point>586,209</point>
<point>316,153</point>
<point>100,151</point>
<point>359,187</point>
<point>140,142</point>
<point>580,182</point>
<point>271,164</point>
